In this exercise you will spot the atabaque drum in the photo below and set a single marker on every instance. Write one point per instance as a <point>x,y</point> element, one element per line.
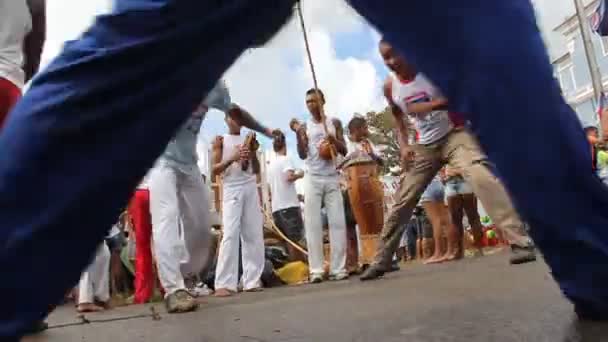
<point>366,199</point>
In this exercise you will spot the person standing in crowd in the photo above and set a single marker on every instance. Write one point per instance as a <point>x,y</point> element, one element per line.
<point>322,187</point>
<point>22,36</point>
<point>460,199</point>
<point>139,211</point>
<point>243,236</point>
<point>286,213</point>
<point>433,202</point>
<point>178,196</point>
<point>599,156</point>
<point>415,100</point>
<point>94,284</point>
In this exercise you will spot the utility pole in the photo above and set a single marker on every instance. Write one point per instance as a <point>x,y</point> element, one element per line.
<point>594,69</point>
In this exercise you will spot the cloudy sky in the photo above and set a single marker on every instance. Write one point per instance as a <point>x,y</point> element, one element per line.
<point>271,81</point>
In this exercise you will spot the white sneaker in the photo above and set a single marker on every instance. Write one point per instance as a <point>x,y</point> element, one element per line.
<point>338,277</point>
<point>200,290</point>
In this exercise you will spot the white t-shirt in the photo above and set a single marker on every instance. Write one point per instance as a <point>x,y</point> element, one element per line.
<point>284,194</point>
<point>430,126</point>
<point>353,146</point>
<point>15,25</point>
<point>315,165</point>
<point>234,174</point>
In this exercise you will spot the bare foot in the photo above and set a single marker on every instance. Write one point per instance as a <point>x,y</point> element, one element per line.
<point>105,305</point>
<point>478,252</point>
<point>223,293</point>
<point>255,289</point>
<point>435,259</point>
<point>453,257</point>
<point>88,307</point>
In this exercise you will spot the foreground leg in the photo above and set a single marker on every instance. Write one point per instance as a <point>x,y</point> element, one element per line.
<point>499,61</point>
<point>139,209</point>
<point>470,208</point>
<point>412,185</point>
<point>434,212</point>
<point>94,90</point>
<point>455,207</point>
<point>252,239</point>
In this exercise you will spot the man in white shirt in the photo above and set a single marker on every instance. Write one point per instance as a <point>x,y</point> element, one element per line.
<point>322,186</point>
<point>22,35</point>
<point>285,204</point>
<point>242,217</point>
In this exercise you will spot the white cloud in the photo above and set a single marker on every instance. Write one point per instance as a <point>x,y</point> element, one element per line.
<point>270,81</point>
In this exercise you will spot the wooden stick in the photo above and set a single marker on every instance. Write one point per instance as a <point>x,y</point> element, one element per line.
<point>278,231</point>
<point>314,74</point>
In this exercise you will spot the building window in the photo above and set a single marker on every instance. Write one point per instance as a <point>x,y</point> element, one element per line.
<point>604,45</point>
<point>566,76</point>
<point>570,46</point>
<point>560,79</point>
<point>571,70</point>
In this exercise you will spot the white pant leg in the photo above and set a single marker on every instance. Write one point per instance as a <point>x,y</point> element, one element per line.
<point>102,274</point>
<point>168,244</point>
<point>193,200</point>
<point>313,197</point>
<point>227,269</point>
<point>334,202</point>
<point>95,280</point>
<point>252,238</point>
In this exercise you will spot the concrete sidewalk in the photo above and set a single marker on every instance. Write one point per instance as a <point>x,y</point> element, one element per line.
<point>481,299</point>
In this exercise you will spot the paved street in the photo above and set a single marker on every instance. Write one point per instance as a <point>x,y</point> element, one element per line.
<point>474,300</point>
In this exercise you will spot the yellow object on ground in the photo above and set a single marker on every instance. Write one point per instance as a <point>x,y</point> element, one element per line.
<point>293,273</point>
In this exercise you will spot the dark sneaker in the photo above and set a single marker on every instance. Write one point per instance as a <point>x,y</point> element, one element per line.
<point>394,267</point>
<point>586,312</point>
<point>180,301</point>
<point>38,328</point>
<point>522,255</point>
<point>371,273</point>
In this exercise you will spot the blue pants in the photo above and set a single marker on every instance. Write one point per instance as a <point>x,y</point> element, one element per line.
<point>75,147</point>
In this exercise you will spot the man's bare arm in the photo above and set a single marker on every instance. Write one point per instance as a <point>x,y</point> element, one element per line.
<point>340,143</point>
<point>400,119</point>
<point>440,103</point>
<point>34,41</point>
<point>245,119</point>
<point>255,163</point>
<point>293,176</point>
<point>302,144</point>
<point>219,165</point>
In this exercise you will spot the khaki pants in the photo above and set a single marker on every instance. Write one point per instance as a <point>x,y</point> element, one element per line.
<point>458,149</point>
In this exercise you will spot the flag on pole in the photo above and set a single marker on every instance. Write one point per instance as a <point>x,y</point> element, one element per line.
<point>599,19</point>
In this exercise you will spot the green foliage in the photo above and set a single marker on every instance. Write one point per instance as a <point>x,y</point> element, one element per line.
<point>384,135</point>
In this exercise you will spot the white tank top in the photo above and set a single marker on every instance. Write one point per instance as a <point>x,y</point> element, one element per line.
<point>15,24</point>
<point>315,165</point>
<point>234,174</point>
<point>430,126</point>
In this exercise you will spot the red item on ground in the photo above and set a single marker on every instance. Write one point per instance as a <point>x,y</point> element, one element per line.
<point>9,95</point>
<point>139,210</point>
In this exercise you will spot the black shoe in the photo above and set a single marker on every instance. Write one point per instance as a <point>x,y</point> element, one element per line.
<point>38,328</point>
<point>394,267</point>
<point>589,313</point>
<point>522,255</point>
<point>371,273</point>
